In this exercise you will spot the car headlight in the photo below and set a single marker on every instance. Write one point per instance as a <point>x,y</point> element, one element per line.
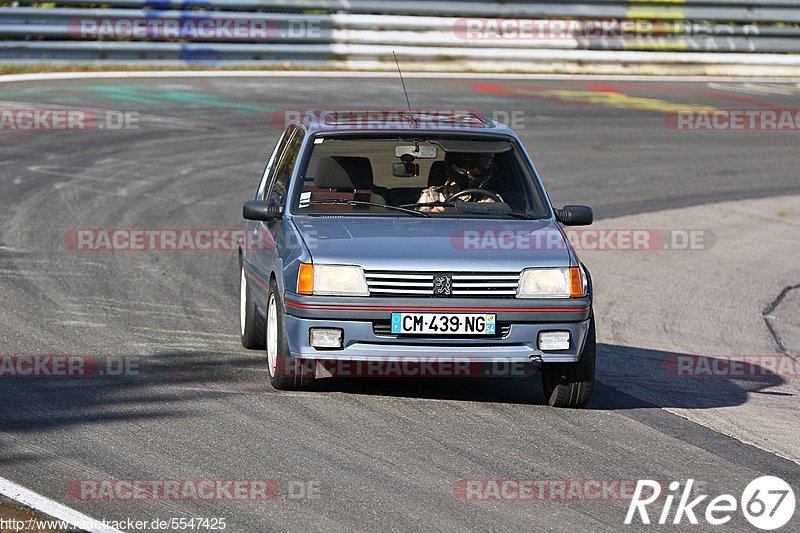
<point>332,280</point>
<point>552,283</point>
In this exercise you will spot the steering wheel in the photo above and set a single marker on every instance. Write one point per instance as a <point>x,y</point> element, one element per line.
<point>475,192</point>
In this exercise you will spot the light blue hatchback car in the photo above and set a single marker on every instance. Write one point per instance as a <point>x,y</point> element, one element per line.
<point>412,237</point>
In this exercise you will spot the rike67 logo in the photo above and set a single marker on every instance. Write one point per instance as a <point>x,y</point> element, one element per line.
<point>767,502</point>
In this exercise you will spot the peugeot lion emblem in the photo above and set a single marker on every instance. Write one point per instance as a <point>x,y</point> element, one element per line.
<point>442,285</point>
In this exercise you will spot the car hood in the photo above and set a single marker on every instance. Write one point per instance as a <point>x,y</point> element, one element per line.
<point>410,243</point>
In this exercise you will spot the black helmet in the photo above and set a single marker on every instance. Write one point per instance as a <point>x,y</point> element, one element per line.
<point>470,171</point>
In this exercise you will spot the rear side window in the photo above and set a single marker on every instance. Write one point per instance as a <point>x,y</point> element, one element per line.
<point>285,166</point>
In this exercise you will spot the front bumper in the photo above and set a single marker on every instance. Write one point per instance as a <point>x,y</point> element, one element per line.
<point>357,317</point>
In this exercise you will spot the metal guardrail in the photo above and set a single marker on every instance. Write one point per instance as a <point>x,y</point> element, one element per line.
<point>740,11</point>
<point>356,33</point>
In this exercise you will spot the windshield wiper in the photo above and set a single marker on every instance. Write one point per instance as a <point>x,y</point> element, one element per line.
<point>481,208</point>
<point>517,214</point>
<point>344,201</point>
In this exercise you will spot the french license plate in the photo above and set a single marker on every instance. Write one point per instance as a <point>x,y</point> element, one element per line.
<point>443,324</point>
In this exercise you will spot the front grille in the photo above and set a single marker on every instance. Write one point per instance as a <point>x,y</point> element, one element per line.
<point>465,284</point>
<point>384,329</point>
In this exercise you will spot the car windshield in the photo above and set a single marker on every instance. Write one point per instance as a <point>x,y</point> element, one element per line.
<point>434,176</point>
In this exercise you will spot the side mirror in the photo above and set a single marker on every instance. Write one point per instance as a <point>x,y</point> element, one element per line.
<point>263,211</point>
<point>575,215</point>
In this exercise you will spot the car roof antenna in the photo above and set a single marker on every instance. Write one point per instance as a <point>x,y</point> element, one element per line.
<point>411,113</point>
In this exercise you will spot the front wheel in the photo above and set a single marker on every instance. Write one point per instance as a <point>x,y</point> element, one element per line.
<point>285,372</point>
<point>570,384</point>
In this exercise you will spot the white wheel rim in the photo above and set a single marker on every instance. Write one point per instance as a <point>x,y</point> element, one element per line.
<point>272,334</point>
<point>242,301</point>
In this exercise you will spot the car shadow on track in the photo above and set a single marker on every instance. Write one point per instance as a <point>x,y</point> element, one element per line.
<point>166,385</point>
<point>655,378</point>
<point>170,385</point>
<point>627,378</point>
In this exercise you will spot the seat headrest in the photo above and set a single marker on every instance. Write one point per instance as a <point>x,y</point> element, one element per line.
<point>344,172</point>
<point>437,176</point>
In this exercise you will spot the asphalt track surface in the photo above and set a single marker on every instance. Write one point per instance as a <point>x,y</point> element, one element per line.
<point>383,454</point>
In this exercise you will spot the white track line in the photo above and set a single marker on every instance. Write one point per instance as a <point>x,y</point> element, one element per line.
<point>45,76</point>
<point>52,509</point>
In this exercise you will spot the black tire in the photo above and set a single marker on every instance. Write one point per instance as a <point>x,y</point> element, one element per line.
<point>251,325</point>
<point>288,373</point>
<point>570,384</point>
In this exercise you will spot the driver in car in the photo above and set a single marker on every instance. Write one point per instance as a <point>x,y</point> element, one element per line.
<point>462,171</point>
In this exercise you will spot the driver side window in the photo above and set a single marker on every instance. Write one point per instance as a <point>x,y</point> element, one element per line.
<point>285,167</point>
<point>269,171</point>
